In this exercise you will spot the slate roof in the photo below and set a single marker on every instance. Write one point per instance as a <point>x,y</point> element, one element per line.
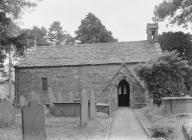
<point>83,54</point>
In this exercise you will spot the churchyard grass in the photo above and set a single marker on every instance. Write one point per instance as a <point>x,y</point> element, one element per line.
<point>58,128</point>
<point>158,123</point>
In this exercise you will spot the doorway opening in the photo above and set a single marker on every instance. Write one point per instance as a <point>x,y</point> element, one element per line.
<point>123,91</point>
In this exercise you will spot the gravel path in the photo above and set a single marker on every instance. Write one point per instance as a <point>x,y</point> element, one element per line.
<point>125,126</point>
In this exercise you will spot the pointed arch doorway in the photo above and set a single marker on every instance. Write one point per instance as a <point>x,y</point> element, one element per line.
<point>123,91</point>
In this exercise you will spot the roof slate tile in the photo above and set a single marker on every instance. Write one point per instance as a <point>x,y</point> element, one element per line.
<point>83,54</point>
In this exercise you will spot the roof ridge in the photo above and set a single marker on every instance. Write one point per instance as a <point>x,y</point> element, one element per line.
<point>91,44</point>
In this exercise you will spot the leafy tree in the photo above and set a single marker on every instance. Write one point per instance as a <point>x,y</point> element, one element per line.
<point>10,11</point>
<point>27,38</point>
<point>92,30</point>
<point>165,76</point>
<point>57,36</point>
<point>178,11</point>
<point>15,8</point>
<point>69,39</point>
<point>23,41</point>
<point>178,41</point>
<point>40,35</point>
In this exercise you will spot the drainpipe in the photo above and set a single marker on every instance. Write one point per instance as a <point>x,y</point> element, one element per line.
<point>10,76</point>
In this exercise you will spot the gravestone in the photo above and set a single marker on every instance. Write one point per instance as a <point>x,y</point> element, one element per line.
<point>68,96</point>
<point>33,121</point>
<point>52,98</point>
<point>22,101</point>
<point>187,130</point>
<point>84,109</point>
<point>35,96</point>
<point>7,114</point>
<point>92,106</point>
<point>59,97</point>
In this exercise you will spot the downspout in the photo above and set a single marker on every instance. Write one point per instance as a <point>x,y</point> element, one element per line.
<point>10,76</point>
<point>16,87</point>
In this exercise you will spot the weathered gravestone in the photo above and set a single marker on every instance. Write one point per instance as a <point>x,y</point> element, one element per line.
<point>35,96</point>
<point>84,108</point>
<point>33,122</point>
<point>59,97</point>
<point>22,101</point>
<point>52,100</point>
<point>7,114</point>
<point>92,106</point>
<point>68,96</point>
<point>187,131</point>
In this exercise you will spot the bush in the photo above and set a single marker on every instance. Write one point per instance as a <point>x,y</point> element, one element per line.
<point>165,76</point>
<point>164,125</point>
<point>7,114</point>
<point>160,132</point>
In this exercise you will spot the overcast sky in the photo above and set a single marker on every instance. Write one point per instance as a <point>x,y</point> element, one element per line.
<point>126,19</point>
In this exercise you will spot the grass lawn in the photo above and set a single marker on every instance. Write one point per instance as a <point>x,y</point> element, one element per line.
<point>63,128</point>
<point>155,118</point>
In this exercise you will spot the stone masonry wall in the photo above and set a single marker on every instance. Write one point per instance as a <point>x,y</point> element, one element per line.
<point>64,80</point>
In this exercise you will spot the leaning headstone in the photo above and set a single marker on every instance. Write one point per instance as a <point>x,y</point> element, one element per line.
<point>84,108</point>
<point>7,114</point>
<point>92,106</point>
<point>33,121</point>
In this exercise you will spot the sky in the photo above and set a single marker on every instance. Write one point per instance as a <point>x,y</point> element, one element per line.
<point>126,19</point>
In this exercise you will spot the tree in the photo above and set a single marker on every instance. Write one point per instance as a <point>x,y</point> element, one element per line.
<point>178,11</point>
<point>15,8</point>
<point>23,41</point>
<point>92,30</point>
<point>40,35</point>
<point>178,41</point>
<point>57,36</point>
<point>69,39</point>
<point>9,11</point>
<point>165,76</point>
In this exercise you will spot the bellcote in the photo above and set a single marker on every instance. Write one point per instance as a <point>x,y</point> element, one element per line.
<point>152,32</point>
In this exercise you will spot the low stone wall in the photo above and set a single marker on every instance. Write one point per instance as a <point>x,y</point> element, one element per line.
<point>177,105</point>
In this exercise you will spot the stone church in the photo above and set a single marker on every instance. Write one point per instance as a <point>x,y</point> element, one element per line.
<point>108,69</point>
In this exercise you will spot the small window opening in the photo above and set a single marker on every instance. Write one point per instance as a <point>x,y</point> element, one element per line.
<point>44,84</point>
